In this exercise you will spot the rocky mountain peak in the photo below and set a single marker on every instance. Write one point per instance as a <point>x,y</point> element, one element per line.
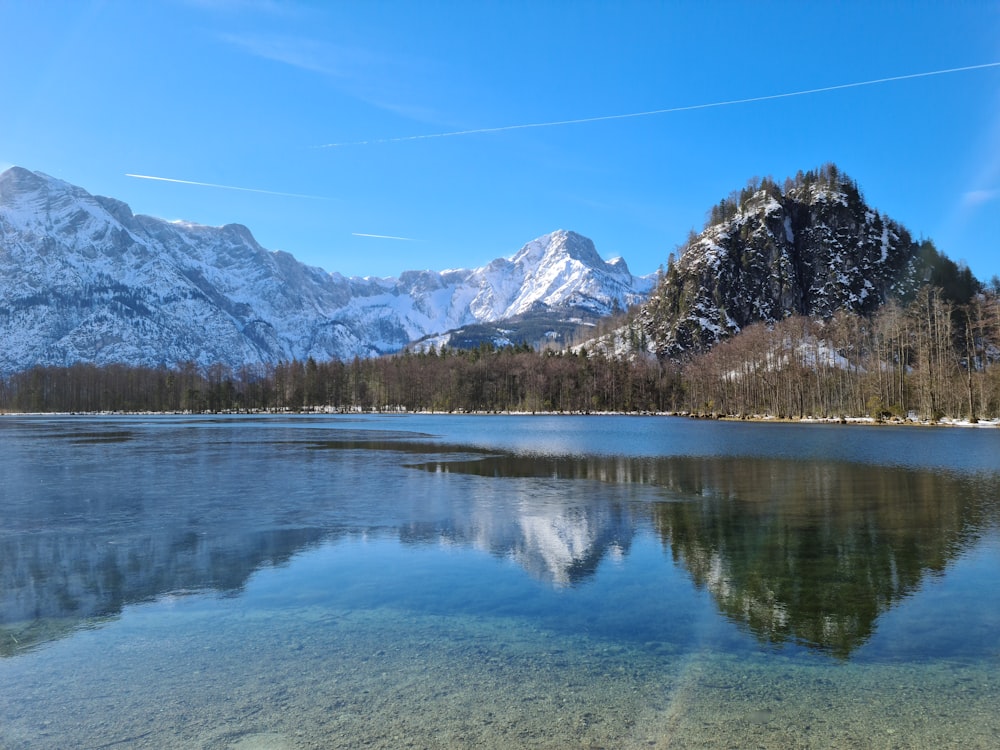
<point>810,248</point>
<point>19,179</point>
<point>560,245</point>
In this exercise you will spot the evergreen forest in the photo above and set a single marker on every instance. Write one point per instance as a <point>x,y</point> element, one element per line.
<point>928,359</point>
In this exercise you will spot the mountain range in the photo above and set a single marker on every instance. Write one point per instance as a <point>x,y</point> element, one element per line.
<point>83,279</point>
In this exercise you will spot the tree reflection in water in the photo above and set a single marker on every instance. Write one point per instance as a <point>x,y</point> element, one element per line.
<point>804,551</point>
<point>792,550</point>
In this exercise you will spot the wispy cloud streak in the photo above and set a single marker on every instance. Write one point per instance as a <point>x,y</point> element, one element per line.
<point>225,187</point>
<point>975,198</point>
<point>669,110</point>
<point>384,237</point>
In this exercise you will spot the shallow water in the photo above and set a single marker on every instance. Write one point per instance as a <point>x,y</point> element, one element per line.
<point>422,581</point>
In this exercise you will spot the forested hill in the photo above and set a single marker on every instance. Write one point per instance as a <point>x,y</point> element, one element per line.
<point>811,247</point>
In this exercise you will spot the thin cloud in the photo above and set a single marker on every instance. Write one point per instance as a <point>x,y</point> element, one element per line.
<point>384,237</point>
<point>241,6</point>
<point>975,198</point>
<point>688,108</point>
<point>226,187</point>
<point>305,54</point>
<point>381,80</point>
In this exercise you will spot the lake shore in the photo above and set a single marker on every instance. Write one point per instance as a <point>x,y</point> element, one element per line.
<point>758,418</point>
<point>945,422</point>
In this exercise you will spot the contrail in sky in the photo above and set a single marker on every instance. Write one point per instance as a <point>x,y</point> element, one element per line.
<point>687,108</point>
<point>225,187</point>
<point>383,236</point>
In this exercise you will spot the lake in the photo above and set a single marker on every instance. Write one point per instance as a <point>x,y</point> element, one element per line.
<point>265,582</point>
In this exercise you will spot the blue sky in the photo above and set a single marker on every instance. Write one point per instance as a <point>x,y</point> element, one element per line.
<point>251,93</point>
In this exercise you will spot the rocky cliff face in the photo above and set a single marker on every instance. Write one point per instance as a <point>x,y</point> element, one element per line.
<point>83,279</point>
<point>811,248</point>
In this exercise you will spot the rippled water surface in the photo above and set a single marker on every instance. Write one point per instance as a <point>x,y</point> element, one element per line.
<point>454,581</point>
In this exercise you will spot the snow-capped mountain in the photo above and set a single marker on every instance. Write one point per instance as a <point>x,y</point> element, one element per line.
<point>83,279</point>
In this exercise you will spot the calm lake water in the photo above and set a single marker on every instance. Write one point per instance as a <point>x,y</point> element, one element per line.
<point>496,582</point>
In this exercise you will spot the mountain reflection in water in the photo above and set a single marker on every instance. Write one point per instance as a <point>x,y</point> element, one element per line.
<point>801,551</point>
<point>791,550</point>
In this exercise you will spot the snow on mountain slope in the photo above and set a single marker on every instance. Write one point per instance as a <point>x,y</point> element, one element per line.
<point>812,248</point>
<point>83,279</point>
<point>557,270</point>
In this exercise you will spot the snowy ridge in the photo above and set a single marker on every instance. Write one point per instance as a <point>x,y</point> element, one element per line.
<point>83,279</point>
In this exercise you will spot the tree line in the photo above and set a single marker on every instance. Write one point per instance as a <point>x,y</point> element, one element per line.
<point>930,357</point>
<point>484,379</point>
